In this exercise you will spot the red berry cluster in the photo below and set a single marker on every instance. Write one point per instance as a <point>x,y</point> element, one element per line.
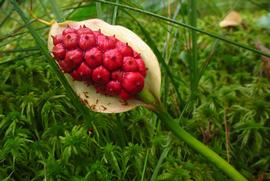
<point>112,66</point>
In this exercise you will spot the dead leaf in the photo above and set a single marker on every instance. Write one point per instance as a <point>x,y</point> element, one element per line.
<point>266,60</point>
<point>233,19</point>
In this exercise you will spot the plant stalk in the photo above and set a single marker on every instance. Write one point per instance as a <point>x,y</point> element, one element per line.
<point>209,154</point>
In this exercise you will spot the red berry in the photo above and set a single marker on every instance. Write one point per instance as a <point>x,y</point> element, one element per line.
<point>57,39</point>
<point>124,49</point>
<point>71,40</point>
<point>100,89</point>
<point>124,95</point>
<point>117,75</point>
<point>101,75</point>
<point>66,66</point>
<point>136,55</point>
<point>133,82</point>
<point>76,76</point>
<point>75,56</point>
<point>68,30</point>
<point>93,57</point>
<point>84,30</point>
<point>141,66</point>
<point>97,33</point>
<point>113,88</point>
<point>87,41</point>
<point>84,72</point>
<point>129,64</point>
<point>112,59</point>
<point>106,42</point>
<point>59,51</point>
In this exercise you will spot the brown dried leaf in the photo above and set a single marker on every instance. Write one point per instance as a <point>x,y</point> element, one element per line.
<point>233,19</point>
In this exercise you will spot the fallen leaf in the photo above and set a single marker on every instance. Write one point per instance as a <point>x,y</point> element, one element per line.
<point>266,60</point>
<point>233,19</point>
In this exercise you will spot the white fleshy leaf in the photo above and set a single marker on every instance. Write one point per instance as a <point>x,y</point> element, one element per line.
<point>107,104</point>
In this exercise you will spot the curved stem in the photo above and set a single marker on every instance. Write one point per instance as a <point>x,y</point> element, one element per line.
<point>197,145</point>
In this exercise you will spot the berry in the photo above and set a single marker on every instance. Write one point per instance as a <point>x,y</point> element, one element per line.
<point>68,30</point>
<point>141,66</point>
<point>65,66</point>
<point>133,82</point>
<point>84,72</point>
<point>111,66</point>
<point>97,33</point>
<point>106,42</point>
<point>124,49</point>
<point>71,40</point>
<point>93,57</point>
<point>136,55</point>
<point>75,56</point>
<point>124,95</point>
<point>76,75</point>
<point>117,75</point>
<point>57,39</point>
<point>129,64</point>
<point>59,51</point>
<point>113,88</point>
<point>112,59</point>
<point>87,41</point>
<point>84,30</point>
<point>101,75</point>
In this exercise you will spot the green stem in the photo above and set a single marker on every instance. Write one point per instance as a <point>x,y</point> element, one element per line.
<point>198,146</point>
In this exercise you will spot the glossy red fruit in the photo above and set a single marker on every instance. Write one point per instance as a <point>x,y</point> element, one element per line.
<point>141,66</point>
<point>68,30</point>
<point>132,82</point>
<point>136,55</point>
<point>106,42</point>
<point>76,76</point>
<point>100,88</point>
<point>129,64</point>
<point>59,51</point>
<point>110,65</point>
<point>112,59</point>
<point>84,72</point>
<point>113,88</point>
<point>87,41</point>
<point>84,30</point>
<point>93,57</point>
<point>57,39</point>
<point>117,75</point>
<point>97,33</point>
<point>124,95</point>
<point>71,40</point>
<point>124,49</point>
<point>100,75</point>
<point>66,66</point>
<point>74,56</point>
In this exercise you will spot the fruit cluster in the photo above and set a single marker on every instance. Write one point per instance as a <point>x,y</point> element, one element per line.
<point>105,62</point>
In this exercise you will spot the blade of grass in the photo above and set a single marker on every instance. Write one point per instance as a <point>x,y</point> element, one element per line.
<point>21,50</point>
<point>19,58</point>
<point>99,10</point>
<point>40,42</point>
<point>193,59</point>
<point>115,12</point>
<point>160,161</point>
<point>57,11</point>
<point>144,165</point>
<point>184,25</point>
<point>167,53</point>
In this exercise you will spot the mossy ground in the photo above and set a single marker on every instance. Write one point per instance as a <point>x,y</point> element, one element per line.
<point>43,136</point>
